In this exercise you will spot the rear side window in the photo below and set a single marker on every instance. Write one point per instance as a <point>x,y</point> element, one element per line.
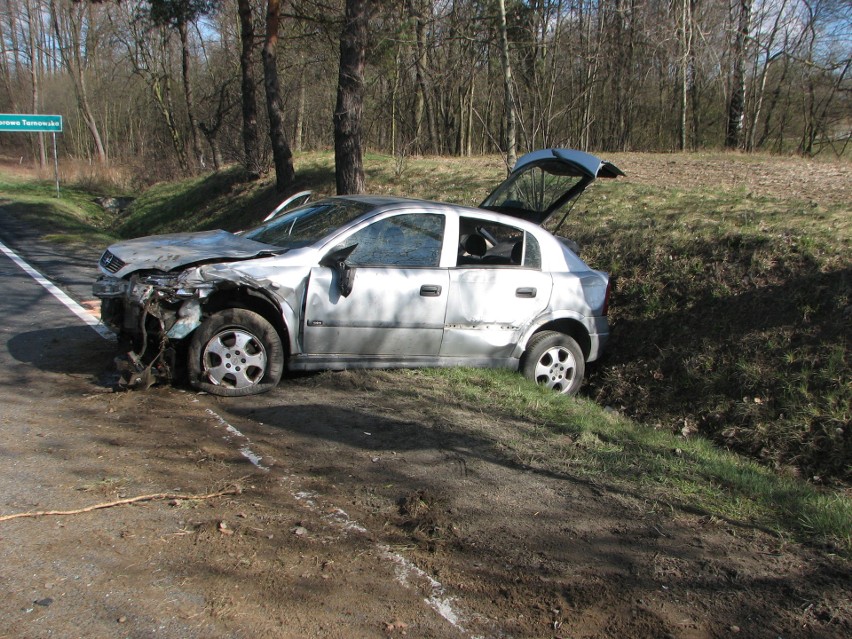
<point>492,244</point>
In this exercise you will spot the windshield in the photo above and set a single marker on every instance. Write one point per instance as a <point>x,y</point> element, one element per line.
<point>308,224</point>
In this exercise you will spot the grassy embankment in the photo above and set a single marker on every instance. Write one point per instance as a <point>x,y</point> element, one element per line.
<point>72,217</point>
<point>730,334</point>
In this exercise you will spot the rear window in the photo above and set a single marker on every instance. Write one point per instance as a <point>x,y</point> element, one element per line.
<point>532,193</point>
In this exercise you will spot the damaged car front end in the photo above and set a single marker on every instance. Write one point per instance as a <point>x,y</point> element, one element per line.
<point>153,302</point>
<point>370,282</point>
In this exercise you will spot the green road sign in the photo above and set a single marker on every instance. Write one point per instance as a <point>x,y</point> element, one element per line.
<point>30,123</point>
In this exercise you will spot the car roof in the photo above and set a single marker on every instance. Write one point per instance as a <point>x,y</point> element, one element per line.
<point>390,203</point>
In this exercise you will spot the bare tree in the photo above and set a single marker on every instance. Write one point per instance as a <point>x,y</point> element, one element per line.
<point>508,89</point>
<point>211,127</point>
<point>736,104</point>
<point>446,77</point>
<point>10,51</point>
<point>179,14</point>
<point>348,149</point>
<point>423,111</point>
<point>33,44</point>
<point>68,26</point>
<point>686,32</point>
<point>149,55</point>
<point>281,154</point>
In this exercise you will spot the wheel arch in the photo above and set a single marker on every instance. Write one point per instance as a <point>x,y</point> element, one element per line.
<point>568,326</point>
<point>253,300</point>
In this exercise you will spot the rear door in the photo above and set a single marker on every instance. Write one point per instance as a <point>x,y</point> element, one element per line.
<point>494,296</point>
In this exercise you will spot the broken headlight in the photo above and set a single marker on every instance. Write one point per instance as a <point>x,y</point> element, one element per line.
<point>161,280</point>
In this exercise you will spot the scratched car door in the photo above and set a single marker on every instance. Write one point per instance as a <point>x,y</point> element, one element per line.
<point>398,299</point>
<point>495,292</point>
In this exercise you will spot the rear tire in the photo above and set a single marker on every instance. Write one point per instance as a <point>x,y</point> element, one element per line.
<point>235,353</point>
<point>554,360</point>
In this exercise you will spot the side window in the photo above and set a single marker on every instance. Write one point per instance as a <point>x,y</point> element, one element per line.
<point>403,240</point>
<point>532,253</point>
<point>491,244</point>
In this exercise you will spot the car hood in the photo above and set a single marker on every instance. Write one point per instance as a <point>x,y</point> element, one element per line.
<point>167,252</point>
<point>544,181</point>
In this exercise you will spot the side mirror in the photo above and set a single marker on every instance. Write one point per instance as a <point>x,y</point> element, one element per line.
<point>336,260</point>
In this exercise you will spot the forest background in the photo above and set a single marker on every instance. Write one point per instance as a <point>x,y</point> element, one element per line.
<point>176,87</point>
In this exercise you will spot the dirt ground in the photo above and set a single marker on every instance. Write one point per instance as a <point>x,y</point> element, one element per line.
<point>363,517</point>
<point>353,509</point>
<point>823,181</point>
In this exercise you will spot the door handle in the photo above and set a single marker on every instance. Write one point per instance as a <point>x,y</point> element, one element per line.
<point>430,290</point>
<point>526,291</point>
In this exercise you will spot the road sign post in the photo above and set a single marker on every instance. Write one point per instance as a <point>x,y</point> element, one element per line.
<point>35,123</point>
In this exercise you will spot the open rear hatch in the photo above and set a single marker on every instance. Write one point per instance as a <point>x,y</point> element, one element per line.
<point>544,181</point>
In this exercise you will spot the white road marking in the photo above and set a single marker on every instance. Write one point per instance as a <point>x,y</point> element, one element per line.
<point>245,451</point>
<point>405,570</point>
<point>437,599</point>
<point>98,326</point>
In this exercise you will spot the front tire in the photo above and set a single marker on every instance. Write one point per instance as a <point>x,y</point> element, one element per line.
<point>235,353</point>
<point>554,360</point>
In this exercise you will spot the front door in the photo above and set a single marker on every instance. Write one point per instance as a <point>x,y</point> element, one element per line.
<point>398,300</point>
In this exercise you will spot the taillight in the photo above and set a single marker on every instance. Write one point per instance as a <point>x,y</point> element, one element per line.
<point>606,297</point>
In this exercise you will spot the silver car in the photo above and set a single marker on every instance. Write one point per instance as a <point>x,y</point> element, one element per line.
<point>370,282</point>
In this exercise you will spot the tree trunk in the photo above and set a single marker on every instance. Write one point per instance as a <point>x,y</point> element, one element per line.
<point>508,92</point>
<point>281,154</point>
<point>215,149</point>
<point>348,151</point>
<point>762,75</point>
<point>5,55</point>
<point>590,41</point>
<point>694,98</point>
<point>35,73</point>
<point>773,102</point>
<point>424,103</point>
<point>299,126</point>
<point>686,57</point>
<point>163,96</point>
<point>187,94</point>
<point>736,106</point>
<point>211,129</point>
<point>251,137</point>
<point>13,37</point>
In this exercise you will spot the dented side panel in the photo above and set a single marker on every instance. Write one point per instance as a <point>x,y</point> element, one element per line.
<point>278,279</point>
<point>489,307</point>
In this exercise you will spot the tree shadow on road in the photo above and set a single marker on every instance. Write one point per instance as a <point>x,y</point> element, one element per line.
<point>71,350</point>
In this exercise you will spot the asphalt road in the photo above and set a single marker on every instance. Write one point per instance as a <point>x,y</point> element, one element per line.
<point>55,581</point>
<point>41,339</point>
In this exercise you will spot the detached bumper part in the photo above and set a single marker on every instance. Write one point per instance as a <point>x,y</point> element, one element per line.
<point>189,318</point>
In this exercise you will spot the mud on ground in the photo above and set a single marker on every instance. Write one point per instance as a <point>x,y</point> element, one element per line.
<point>364,517</point>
